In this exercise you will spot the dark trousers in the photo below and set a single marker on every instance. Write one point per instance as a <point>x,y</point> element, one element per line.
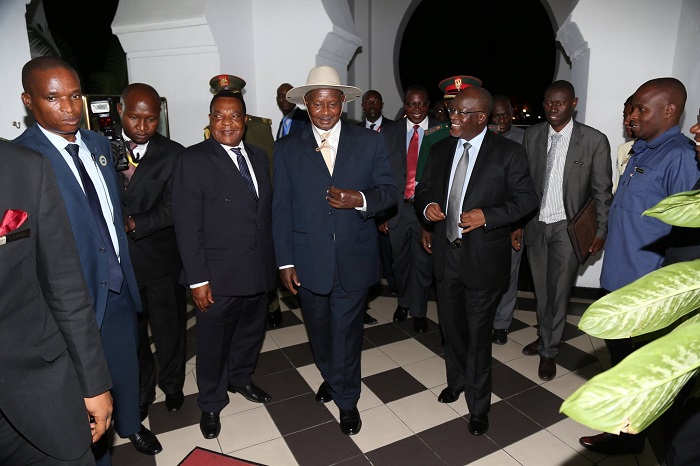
<point>15,450</point>
<point>413,266</point>
<point>466,316</point>
<point>334,323</point>
<point>229,337</point>
<point>554,268</point>
<point>506,307</point>
<point>385,255</point>
<point>165,311</point>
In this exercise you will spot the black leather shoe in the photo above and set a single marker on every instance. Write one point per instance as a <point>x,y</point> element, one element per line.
<point>251,393</point>
<point>478,424</point>
<point>145,442</point>
<point>174,402</point>
<point>350,422</point>
<point>449,396</point>
<point>500,336</point>
<point>210,425</point>
<point>533,349</point>
<point>143,410</point>
<point>611,444</point>
<point>369,320</point>
<point>323,395</point>
<point>400,314</point>
<point>547,369</point>
<point>420,324</point>
<point>274,318</point>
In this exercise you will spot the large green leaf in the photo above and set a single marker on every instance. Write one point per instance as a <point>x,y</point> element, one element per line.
<point>651,303</point>
<point>631,395</point>
<point>680,209</point>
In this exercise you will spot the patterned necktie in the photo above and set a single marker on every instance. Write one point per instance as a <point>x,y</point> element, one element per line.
<point>548,171</point>
<point>245,173</point>
<point>129,172</point>
<point>411,164</point>
<point>116,277</point>
<point>454,207</point>
<point>372,126</point>
<point>327,151</point>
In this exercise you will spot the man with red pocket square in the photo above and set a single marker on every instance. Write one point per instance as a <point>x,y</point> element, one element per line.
<point>82,162</point>
<point>52,369</point>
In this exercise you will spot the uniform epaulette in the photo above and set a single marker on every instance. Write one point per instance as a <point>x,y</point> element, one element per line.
<point>437,128</point>
<point>267,121</point>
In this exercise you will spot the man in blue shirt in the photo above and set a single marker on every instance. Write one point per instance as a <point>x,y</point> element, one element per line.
<point>663,163</point>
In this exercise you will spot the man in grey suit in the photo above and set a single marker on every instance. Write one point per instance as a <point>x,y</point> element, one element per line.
<point>54,374</point>
<point>570,163</point>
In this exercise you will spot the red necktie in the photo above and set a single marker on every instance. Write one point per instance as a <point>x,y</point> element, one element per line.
<point>411,163</point>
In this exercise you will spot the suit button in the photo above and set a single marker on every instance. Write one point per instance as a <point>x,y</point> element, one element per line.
<point>103,283</point>
<point>103,250</point>
<point>330,212</point>
<point>227,200</point>
<point>255,248</point>
<point>331,236</point>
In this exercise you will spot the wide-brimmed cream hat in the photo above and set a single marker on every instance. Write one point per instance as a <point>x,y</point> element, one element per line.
<point>322,77</point>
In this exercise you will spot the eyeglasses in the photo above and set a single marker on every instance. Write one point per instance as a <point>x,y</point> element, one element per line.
<point>417,104</point>
<point>452,111</point>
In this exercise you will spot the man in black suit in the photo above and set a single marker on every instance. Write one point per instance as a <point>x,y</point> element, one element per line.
<point>570,163</point>
<point>54,374</point>
<point>475,184</point>
<point>372,105</point>
<point>331,178</point>
<point>293,118</point>
<point>413,267</point>
<point>221,211</point>
<point>82,162</point>
<point>152,246</point>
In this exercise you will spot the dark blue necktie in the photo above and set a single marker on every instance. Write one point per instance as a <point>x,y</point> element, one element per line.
<point>245,173</point>
<point>116,277</point>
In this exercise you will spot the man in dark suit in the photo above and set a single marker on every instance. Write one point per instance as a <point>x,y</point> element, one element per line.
<point>331,178</point>
<point>82,161</point>
<point>413,267</point>
<point>570,163</point>
<point>221,211</point>
<point>372,105</point>
<point>53,369</point>
<point>475,184</point>
<point>293,118</point>
<point>152,245</point>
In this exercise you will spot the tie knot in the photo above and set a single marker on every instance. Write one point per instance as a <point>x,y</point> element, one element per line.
<point>415,127</point>
<point>73,150</point>
<point>237,151</point>
<point>325,136</point>
<point>556,137</point>
<point>467,146</point>
<point>372,126</point>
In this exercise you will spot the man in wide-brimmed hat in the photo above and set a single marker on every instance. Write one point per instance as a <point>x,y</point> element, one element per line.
<point>330,179</point>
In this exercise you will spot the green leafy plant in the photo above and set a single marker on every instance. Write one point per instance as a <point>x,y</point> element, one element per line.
<point>633,394</point>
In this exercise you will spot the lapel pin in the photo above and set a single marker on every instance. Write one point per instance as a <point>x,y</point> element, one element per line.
<point>103,160</point>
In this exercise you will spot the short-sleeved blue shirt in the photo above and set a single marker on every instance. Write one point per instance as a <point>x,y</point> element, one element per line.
<point>636,244</point>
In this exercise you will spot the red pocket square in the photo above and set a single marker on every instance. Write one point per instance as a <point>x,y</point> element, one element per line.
<point>12,220</point>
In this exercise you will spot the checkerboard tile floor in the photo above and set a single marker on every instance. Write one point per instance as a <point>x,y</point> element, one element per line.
<point>403,424</point>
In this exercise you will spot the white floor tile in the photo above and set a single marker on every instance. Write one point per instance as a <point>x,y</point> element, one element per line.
<point>275,452</point>
<point>375,361</point>
<point>498,458</point>
<point>380,427</point>
<point>289,336</point>
<point>178,443</point>
<point>543,448</point>
<point>422,411</point>
<point>245,429</point>
<point>430,372</point>
<point>582,342</point>
<point>564,385</point>
<point>406,351</point>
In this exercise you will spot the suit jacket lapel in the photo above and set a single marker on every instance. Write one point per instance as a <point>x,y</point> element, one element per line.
<point>540,158</point>
<point>343,155</point>
<point>482,159</point>
<point>573,153</point>
<point>309,147</point>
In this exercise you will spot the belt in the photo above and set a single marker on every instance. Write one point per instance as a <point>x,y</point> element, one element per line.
<point>456,243</point>
<point>410,201</point>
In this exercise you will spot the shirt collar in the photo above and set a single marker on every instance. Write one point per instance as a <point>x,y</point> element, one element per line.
<point>58,141</point>
<point>423,124</point>
<point>376,124</point>
<point>565,131</point>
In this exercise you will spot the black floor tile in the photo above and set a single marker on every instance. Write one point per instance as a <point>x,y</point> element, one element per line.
<point>360,460</point>
<point>577,309</point>
<point>126,454</point>
<point>366,344</point>
<point>453,443</point>
<point>507,425</point>
<point>516,325</point>
<point>384,334</point>
<point>161,420</point>
<point>393,385</point>
<point>508,382</point>
<point>539,404</point>
<point>271,362</point>
<point>300,355</point>
<point>410,451</point>
<point>288,319</point>
<point>283,385</point>
<point>526,304</point>
<point>573,358</point>
<point>321,445</point>
<point>291,301</point>
<point>299,413</point>
<point>571,331</point>
<point>432,341</point>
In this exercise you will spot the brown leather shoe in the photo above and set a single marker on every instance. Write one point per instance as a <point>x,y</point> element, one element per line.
<point>547,369</point>
<point>533,349</point>
<point>611,444</point>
